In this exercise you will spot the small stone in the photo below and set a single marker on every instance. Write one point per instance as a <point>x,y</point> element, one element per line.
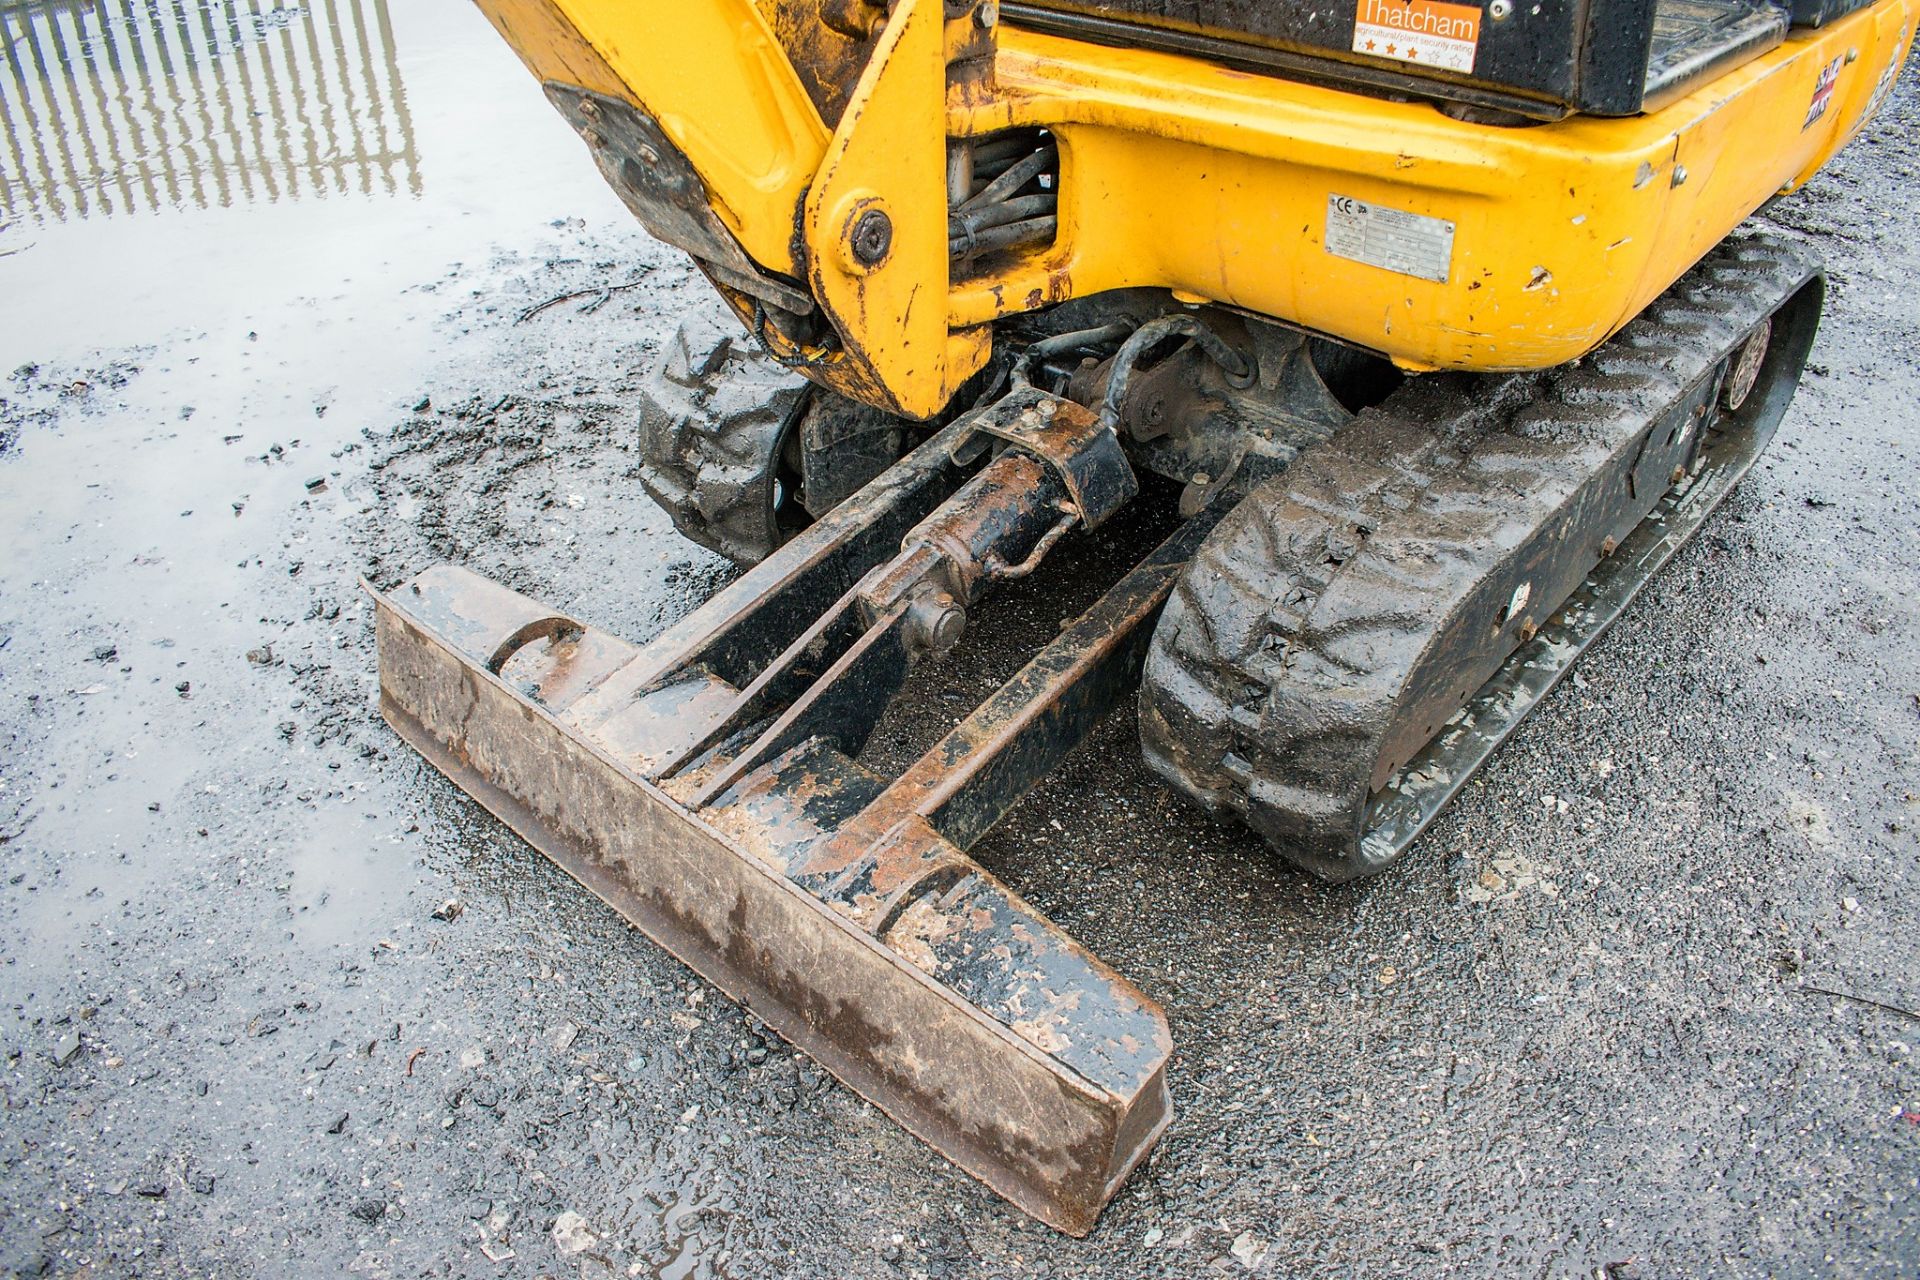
<point>106,653</point>
<point>571,1234</point>
<point>561,1038</point>
<point>1249,1249</point>
<point>66,1048</point>
<point>449,910</point>
<point>339,1124</point>
<point>202,1183</point>
<point>423,404</point>
<point>316,483</point>
<point>369,1209</point>
<point>1850,905</point>
<point>262,656</point>
<point>184,688</point>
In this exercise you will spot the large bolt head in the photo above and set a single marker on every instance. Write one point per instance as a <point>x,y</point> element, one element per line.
<point>872,237</point>
<point>935,623</point>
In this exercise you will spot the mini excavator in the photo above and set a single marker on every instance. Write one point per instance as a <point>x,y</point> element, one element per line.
<point>1430,328</point>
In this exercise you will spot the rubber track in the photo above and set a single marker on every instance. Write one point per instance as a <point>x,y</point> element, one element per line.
<point>1281,664</point>
<point>712,415</point>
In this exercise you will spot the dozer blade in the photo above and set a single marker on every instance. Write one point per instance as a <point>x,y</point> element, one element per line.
<point>707,787</point>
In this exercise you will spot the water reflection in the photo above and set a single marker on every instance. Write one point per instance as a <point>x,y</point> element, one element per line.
<point>119,106</point>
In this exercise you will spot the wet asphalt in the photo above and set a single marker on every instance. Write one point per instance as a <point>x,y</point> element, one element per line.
<point>277,999</point>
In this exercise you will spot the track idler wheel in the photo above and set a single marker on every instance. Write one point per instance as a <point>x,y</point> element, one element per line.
<point>744,453</point>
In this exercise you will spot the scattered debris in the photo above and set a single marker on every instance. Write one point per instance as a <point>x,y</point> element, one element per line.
<point>1882,1005</point>
<point>600,296</point>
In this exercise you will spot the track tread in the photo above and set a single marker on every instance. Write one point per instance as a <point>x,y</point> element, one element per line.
<point>1285,650</point>
<point>712,416</point>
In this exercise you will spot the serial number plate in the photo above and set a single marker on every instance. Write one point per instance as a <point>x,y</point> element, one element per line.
<point>1411,244</point>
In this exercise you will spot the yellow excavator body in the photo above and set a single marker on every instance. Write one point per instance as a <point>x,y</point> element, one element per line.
<point>1518,246</point>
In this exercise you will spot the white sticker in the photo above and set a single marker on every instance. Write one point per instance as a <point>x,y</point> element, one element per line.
<point>1409,243</point>
<point>1884,85</point>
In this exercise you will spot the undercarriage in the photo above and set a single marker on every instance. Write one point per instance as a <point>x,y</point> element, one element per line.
<point>1347,621</point>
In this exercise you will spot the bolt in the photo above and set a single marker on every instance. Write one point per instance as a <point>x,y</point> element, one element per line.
<point>1609,546</point>
<point>872,237</point>
<point>1679,474</point>
<point>593,138</point>
<point>1500,10</point>
<point>1528,630</point>
<point>987,15</point>
<point>647,155</point>
<point>1679,175</point>
<point>935,623</point>
<point>589,108</point>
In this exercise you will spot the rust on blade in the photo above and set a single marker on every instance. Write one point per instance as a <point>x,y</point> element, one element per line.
<point>916,977</point>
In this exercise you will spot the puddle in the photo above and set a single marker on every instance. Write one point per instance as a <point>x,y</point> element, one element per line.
<point>116,107</point>
<point>192,164</point>
<point>236,240</point>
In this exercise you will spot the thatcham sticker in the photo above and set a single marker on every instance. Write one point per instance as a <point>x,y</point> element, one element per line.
<point>1422,32</point>
<point>1411,244</point>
